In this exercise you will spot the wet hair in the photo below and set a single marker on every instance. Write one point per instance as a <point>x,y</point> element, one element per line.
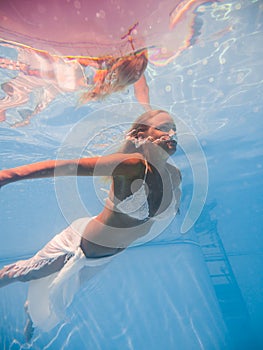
<point>142,123</point>
<point>119,73</point>
<point>128,70</point>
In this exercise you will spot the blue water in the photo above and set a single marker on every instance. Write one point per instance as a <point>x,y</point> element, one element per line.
<point>198,290</point>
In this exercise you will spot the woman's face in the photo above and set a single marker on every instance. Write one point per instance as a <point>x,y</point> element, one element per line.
<point>162,132</point>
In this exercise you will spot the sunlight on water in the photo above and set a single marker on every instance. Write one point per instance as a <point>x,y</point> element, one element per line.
<point>204,68</point>
<point>41,77</point>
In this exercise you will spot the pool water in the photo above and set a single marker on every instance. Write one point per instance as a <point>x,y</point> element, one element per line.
<point>194,288</point>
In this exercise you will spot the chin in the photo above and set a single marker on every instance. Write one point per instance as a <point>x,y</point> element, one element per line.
<point>170,147</point>
<point>171,152</point>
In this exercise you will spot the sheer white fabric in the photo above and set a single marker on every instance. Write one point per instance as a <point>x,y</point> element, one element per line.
<point>135,205</point>
<point>49,297</point>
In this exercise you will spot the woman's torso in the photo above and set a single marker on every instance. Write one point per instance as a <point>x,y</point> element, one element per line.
<point>114,227</point>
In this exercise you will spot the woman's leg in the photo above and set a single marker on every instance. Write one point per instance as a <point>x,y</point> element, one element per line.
<point>45,262</point>
<point>27,270</point>
<point>29,328</point>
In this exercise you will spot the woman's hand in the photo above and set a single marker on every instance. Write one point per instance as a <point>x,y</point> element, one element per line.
<point>4,177</point>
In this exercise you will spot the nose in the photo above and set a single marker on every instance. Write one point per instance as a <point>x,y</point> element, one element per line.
<point>172,135</point>
<point>169,137</point>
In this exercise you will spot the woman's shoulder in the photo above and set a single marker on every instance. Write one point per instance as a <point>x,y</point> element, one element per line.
<point>122,157</point>
<point>127,164</point>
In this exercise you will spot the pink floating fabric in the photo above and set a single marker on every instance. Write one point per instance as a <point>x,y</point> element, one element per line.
<point>97,28</point>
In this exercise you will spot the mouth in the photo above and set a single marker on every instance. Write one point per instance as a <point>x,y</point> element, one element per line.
<point>171,143</point>
<point>167,143</point>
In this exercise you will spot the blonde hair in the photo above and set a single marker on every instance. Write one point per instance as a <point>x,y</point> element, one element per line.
<point>119,73</point>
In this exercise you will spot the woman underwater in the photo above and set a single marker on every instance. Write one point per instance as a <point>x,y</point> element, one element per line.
<point>42,76</point>
<point>144,190</point>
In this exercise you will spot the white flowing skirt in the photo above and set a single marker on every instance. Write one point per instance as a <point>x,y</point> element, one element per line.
<point>48,297</point>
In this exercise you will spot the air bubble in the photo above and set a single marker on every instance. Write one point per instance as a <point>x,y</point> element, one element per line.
<point>168,88</point>
<point>77,5</point>
<point>101,14</point>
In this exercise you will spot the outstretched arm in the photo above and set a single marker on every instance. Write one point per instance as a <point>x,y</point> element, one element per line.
<point>141,92</point>
<point>115,164</point>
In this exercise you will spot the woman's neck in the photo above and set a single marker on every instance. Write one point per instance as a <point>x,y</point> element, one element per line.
<point>156,156</point>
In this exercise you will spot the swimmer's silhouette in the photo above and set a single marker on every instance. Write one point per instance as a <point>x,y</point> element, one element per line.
<point>144,191</point>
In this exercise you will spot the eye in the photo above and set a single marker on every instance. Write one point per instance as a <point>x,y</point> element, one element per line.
<point>161,128</point>
<point>166,127</point>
